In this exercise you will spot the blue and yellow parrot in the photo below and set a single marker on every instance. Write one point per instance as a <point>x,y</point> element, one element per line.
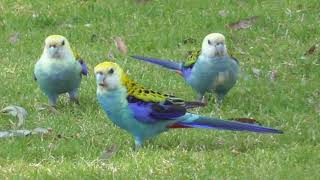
<point>57,71</point>
<point>208,70</point>
<point>145,113</point>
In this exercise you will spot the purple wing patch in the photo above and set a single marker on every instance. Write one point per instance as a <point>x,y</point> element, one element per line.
<point>84,67</point>
<point>149,112</point>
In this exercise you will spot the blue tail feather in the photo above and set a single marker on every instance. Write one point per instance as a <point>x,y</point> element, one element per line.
<point>214,123</point>
<point>164,63</point>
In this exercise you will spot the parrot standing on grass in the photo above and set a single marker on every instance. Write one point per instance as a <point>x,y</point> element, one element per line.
<point>208,70</point>
<point>57,71</point>
<point>145,113</point>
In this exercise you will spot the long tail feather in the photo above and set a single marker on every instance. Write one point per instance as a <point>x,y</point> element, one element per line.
<point>214,123</point>
<point>164,63</point>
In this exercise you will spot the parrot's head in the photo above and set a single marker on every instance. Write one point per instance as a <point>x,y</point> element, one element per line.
<point>109,76</point>
<point>214,45</point>
<point>57,47</point>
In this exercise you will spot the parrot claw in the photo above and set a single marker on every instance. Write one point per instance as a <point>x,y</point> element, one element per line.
<point>137,144</point>
<point>203,100</point>
<point>73,97</point>
<point>53,101</point>
<point>75,100</point>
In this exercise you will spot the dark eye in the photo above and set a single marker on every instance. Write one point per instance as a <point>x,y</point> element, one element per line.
<point>100,73</point>
<point>111,71</point>
<point>62,43</point>
<point>209,42</point>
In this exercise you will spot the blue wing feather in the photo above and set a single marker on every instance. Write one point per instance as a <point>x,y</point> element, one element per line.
<point>84,67</point>
<point>152,112</point>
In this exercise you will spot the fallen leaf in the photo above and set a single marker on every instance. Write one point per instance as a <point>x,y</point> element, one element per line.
<point>121,45</point>
<point>243,24</point>
<point>24,132</point>
<point>41,107</point>
<point>311,50</point>
<point>14,133</point>
<point>223,13</point>
<point>108,152</point>
<point>256,72</point>
<point>16,111</point>
<point>41,131</point>
<point>14,38</point>
<point>273,75</point>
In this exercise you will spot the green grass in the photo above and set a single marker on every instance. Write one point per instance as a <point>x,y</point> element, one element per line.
<point>284,31</point>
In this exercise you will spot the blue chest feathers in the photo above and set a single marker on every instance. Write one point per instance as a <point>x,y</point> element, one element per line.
<point>213,74</point>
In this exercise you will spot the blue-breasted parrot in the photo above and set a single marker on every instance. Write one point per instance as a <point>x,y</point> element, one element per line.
<point>57,71</point>
<point>208,70</point>
<point>145,113</point>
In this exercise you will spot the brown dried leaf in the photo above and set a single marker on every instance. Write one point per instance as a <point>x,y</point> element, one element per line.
<point>311,50</point>
<point>243,24</point>
<point>122,47</point>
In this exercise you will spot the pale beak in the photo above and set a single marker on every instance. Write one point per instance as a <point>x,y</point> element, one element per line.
<point>53,50</point>
<point>220,49</point>
<point>100,79</point>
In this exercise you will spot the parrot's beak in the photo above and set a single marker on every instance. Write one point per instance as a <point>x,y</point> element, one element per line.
<point>53,51</point>
<point>220,49</point>
<point>100,78</point>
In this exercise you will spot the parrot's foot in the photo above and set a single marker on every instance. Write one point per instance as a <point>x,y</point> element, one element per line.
<point>219,100</point>
<point>53,101</point>
<point>202,99</point>
<point>73,96</point>
<point>137,144</point>
<point>75,100</point>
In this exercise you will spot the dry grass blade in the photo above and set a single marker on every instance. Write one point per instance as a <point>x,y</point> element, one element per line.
<point>243,24</point>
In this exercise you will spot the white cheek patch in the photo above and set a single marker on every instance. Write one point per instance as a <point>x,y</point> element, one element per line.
<point>210,51</point>
<point>112,81</point>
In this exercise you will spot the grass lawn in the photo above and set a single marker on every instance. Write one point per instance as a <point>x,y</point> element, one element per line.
<point>282,34</point>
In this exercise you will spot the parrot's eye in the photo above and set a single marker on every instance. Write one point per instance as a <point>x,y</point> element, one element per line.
<point>62,43</point>
<point>209,42</point>
<point>111,71</point>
